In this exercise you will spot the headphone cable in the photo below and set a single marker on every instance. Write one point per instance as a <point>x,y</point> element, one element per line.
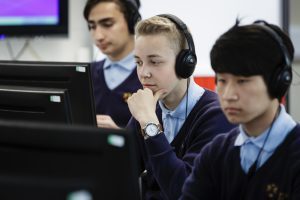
<point>253,167</point>
<point>187,97</point>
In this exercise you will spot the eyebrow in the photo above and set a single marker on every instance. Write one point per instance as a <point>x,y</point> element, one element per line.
<point>154,56</point>
<point>101,20</point>
<point>150,56</point>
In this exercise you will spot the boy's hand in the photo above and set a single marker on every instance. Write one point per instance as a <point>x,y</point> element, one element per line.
<point>142,105</point>
<point>105,121</point>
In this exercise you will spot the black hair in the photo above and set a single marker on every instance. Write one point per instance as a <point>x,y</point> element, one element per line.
<point>128,7</point>
<point>248,50</point>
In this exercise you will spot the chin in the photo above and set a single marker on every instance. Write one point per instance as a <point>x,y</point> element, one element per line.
<point>233,119</point>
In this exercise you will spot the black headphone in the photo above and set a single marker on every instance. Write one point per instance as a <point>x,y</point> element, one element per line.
<point>186,59</point>
<point>133,15</point>
<point>281,79</point>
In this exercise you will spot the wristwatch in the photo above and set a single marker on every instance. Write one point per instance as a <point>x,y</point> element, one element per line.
<point>151,129</point>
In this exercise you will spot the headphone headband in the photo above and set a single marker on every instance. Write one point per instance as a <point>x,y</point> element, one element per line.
<point>182,26</point>
<point>266,27</point>
<point>135,3</point>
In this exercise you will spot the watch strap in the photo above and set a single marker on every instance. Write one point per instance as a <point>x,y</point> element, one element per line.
<point>159,126</point>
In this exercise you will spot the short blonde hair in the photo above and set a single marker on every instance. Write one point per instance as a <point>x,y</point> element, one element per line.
<point>161,25</point>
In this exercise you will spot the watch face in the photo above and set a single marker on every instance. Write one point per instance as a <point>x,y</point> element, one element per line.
<point>151,130</point>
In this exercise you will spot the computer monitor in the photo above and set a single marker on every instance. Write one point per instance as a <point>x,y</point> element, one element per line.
<point>40,104</point>
<point>34,18</point>
<point>74,78</point>
<point>46,162</point>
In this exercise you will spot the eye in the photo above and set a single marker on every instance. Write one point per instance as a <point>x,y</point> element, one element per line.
<point>91,26</point>
<point>242,81</point>
<point>107,24</point>
<point>139,63</point>
<point>221,80</point>
<point>155,62</point>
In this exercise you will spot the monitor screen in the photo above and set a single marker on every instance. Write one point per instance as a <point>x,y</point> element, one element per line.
<point>73,78</point>
<point>44,161</point>
<point>40,104</point>
<point>33,17</point>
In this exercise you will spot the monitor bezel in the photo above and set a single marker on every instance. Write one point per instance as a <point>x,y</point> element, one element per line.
<point>41,158</point>
<point>60,75</point>
<point>60,29</point>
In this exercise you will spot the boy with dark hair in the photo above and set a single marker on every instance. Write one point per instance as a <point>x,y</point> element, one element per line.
<point>261,158</point>
<point>111,24</point>
<point>173,116</point>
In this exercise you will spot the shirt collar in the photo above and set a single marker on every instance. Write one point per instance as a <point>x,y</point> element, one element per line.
<point>127,63</point>
<point>280,129</point>
<point>194,94</point>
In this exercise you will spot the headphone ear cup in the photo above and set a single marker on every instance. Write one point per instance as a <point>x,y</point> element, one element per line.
<point>185,63</point>
<point>133,17</point>
<point>280,82</point>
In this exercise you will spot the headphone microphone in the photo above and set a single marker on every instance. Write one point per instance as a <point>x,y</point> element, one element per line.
<point>186,59</point>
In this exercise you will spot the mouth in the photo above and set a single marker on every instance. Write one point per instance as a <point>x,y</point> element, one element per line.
<point>232,110</point>
<point>102,46</point>
<point>150,86</point>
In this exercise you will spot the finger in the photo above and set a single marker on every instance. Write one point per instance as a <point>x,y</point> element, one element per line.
<point>159,94</point>
<point>102,117</point>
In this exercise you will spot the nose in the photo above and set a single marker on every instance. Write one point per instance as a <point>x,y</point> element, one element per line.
<point>229,92</point>
<point>144,71</point>
<point>98,33</point>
